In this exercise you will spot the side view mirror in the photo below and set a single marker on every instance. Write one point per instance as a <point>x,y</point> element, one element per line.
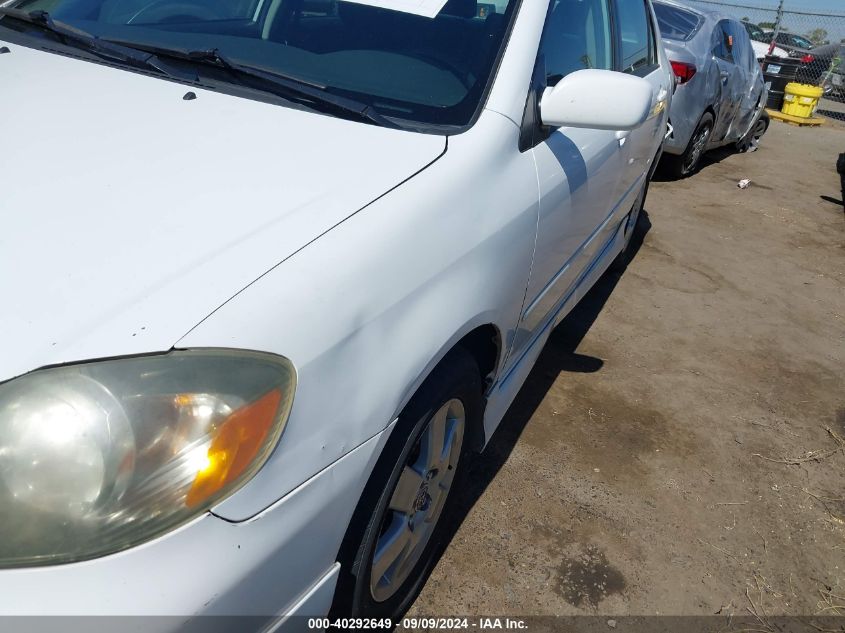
<point>598,99</point>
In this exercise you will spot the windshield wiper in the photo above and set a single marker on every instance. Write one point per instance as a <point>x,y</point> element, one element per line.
<point>70,35</point>
<point>286,86</point>
<point>148,57</point>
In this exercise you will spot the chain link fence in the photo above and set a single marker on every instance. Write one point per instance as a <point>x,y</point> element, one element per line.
<point>812,37</point>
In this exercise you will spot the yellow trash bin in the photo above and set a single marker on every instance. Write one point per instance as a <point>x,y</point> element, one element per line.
<point>801,100</point>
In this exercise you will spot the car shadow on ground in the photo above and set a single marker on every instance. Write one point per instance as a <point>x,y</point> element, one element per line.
<point>558,356</point>
<point>714,156</point>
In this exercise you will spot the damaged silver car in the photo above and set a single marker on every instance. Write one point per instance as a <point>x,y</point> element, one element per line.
<point>719,95</point>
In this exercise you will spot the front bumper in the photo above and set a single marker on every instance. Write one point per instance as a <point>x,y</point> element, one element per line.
<point>247,575</point>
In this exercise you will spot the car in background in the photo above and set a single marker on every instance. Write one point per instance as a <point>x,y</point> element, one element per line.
<point>833,81</point>
<point>232,384</point>
<point>816,61</point>
<point>720,95</point>
<point>789,41</point>
<point>761,50</point>
<point>755,32</point>
<point>760,44</point>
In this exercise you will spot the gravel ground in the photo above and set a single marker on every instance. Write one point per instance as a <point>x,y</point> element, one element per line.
<point>679,442</point>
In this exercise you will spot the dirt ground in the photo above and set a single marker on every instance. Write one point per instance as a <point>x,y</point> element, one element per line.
<point>680,440</point>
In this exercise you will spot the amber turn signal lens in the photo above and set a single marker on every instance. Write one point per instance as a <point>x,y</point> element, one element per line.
<point>237,443</point>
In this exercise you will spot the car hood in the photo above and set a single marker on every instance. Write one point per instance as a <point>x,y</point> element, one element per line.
<point>129,213</point>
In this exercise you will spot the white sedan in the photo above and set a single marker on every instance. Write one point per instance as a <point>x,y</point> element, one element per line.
<point>273,269</point>
<point>761,50</point>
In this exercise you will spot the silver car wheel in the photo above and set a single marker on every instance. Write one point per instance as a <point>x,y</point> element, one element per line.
<point>699,144</point>
<point>751,141</point>
<point>759,130</point>
<point>417,500</point>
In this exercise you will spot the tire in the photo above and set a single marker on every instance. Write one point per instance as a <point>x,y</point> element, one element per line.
<point>454,388</point>
<point>687,163</point>
<point>750,141</point>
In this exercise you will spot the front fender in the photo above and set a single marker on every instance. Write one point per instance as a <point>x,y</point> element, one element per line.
<point>367,310</point>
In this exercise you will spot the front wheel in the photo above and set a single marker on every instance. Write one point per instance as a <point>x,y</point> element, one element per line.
<point>392,541</point>
<point>687,163</point>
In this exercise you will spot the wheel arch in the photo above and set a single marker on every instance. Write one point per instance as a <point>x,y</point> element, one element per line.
<point>483,340</point>
<point>484,344</point>
<point>474,344</point>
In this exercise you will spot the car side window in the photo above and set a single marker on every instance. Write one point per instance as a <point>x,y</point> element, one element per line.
<point>723,42</point>
<point>743,51</point>
<point>576,37</point>
<point>639,48</point>
<point>801,42</point>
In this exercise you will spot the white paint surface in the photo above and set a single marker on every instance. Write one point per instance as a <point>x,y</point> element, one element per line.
<point>425,8</point>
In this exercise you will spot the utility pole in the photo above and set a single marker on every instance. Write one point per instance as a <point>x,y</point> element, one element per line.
<point>778,21</point>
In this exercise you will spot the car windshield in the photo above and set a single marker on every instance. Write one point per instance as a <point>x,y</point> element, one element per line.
<point>407,66</point>
<point>676,23</point>
<point>793,40</point>
<point>800,41</point>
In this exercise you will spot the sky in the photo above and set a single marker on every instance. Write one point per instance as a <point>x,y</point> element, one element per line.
<point>802,24</point>
<point>816,6</point>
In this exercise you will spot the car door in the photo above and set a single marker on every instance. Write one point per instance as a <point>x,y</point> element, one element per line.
<point>752,84</point>
<point>579,171</point>
<point>639,55</point>
<point>730,80</point>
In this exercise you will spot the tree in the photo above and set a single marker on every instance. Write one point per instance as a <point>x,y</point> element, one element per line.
<point>817,36</point>
<point>769,26</point>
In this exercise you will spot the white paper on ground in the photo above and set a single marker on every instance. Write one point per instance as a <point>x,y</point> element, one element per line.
<point>426,8</point>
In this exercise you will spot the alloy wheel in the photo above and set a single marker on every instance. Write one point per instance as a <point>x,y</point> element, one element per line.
<point>759,130</point>
<point>417,500</point>
<point>750,141</point>
<point>699,144</point>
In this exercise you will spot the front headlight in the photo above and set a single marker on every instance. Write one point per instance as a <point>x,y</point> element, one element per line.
<point>98,457</point>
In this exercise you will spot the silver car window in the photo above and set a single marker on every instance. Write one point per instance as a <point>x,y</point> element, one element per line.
<point>723,42</point>
<point>676,23</point>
